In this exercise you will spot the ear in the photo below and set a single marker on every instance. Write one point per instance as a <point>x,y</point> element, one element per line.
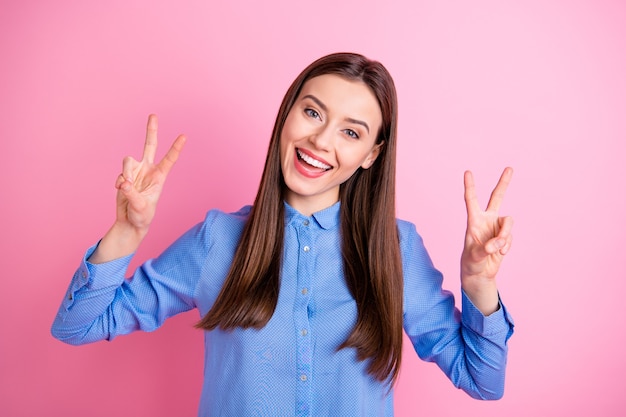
<point>371,158</point>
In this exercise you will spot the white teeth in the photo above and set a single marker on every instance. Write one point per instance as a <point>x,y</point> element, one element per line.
<point>313,162</point>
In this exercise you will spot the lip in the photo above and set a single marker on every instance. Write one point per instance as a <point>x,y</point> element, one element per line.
<point>306,152</point>
<point>302,168</point>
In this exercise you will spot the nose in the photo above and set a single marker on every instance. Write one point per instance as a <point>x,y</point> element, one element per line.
<point>322,138</point>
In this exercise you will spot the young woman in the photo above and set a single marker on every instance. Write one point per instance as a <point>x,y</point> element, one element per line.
<point>305,294</point>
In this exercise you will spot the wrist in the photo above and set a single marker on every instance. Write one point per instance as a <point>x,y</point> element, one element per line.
<point>483,292</point>
<point>121,240</point>
<point>128,232</point>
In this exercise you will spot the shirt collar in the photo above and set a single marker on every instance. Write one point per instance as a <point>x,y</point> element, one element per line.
<point>326,218</point>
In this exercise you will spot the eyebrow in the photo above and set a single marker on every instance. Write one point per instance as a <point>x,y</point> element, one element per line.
<point>348,119</point>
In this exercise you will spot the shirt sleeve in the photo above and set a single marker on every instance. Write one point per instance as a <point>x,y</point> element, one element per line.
<point>101,303</point>
<point>470,348</point>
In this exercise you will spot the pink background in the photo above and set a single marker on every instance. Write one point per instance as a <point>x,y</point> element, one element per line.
<point>538,85</point>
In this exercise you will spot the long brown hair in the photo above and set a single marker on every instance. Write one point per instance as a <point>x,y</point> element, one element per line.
<point>370,246</point>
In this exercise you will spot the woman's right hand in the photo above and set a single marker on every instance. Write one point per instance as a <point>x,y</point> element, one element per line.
<point>141,182</point>
<point>139,188</point>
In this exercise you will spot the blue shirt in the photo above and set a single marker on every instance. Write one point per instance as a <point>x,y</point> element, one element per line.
<point>291,367</point>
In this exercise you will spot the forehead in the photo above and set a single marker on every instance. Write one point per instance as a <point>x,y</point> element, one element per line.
<point>341,95</point>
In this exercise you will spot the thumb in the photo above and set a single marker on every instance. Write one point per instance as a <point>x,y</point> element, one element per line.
<point>494,245</point>
<point>128,190</point>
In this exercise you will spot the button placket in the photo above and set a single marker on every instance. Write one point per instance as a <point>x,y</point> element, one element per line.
<point>301,316</point>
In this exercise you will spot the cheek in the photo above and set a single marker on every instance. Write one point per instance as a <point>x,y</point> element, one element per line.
<point>290,126</point>
<point>285,145</point>
<point>282,149</point>
<point>351,157</point>
<point>284,136</point>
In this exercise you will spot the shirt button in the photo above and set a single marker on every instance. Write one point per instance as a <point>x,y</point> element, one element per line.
<point>305,291</point>
<point>306,249</point>
<point>302,377</point>
<point>84,274</point>
<point>303,332</point>
<point>306,222</point>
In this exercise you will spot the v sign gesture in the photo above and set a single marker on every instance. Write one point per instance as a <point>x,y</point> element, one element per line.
<point>139,188</point>
<point>487,239</point>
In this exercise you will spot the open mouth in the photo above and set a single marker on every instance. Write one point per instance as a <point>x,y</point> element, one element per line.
<point>312,162</point>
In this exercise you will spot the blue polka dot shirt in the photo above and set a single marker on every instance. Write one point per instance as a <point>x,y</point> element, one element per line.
<point>290,367</point>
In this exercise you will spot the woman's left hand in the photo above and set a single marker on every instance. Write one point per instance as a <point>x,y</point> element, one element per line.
<point>487,239</point>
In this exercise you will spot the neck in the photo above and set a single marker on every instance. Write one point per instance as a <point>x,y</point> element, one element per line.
<point>309,205</point>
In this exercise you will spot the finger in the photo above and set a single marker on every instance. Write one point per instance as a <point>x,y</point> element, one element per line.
<point>149,148</point>
<point>128,168</point>
<point>172,154</point>
<point>471,201</point>
<point>497,195</point>
<point>506,225</point>
<point>132,195</point>
<point>507,246</point>
<point>494,245</point>
<point>498,242</point>
<point>119,181</point>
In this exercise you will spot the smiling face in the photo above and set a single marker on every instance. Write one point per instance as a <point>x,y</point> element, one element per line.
<point>329,133</point>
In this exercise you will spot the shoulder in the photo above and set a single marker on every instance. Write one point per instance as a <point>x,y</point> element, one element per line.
<point>218,224</point>
<point>407,233</point>
<point>412,247</point>
<point>421,279</point>
<point>239,216</point>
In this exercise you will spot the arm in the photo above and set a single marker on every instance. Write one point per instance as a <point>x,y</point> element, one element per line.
<point>101,304</point>
<point>470,348</point>
<point>487,240</point>
<point>99,285</point>
<point>139,187</point>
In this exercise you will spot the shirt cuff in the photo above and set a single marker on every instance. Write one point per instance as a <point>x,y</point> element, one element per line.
<point>102,275</point>
<point>95,276</point>
<point>496,323</point>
